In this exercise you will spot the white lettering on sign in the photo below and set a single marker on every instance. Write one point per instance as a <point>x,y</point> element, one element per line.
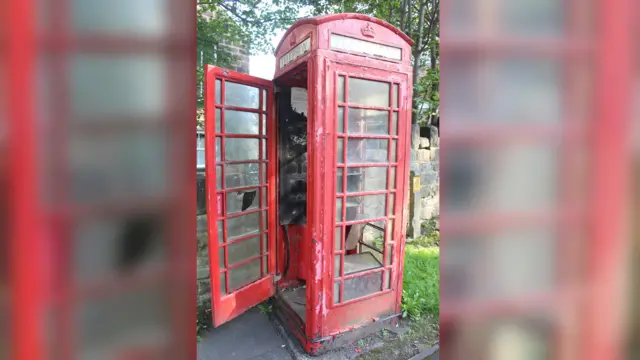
<point>340,42</point>
<point>296,52</point>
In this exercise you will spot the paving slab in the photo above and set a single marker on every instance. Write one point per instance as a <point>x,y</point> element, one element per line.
<point>251,336</point>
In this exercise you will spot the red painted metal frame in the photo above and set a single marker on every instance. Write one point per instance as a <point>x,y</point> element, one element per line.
<point>239,299</point>
<point>599,334</point>
<point>39,225</point>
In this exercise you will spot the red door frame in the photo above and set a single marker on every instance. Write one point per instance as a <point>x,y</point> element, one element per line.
<point>235,302</point>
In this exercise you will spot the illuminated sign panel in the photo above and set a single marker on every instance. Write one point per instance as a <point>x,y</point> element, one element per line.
<point>296,52</point>
<point>340,42</point>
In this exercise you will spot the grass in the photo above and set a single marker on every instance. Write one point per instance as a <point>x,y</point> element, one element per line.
<point>421,284</point>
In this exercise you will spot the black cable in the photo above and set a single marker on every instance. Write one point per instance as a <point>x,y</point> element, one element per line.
<point>287,250</point>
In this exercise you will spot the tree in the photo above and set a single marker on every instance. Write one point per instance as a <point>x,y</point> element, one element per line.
<point>246,23</point>
<point>420,19</point>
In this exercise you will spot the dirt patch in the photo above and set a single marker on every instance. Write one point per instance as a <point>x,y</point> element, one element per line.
<point>422,334</point>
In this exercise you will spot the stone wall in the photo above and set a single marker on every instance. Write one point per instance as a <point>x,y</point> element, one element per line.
<point>424,184</point>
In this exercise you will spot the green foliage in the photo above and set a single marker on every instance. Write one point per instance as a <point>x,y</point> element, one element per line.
<point>265,308</point>
<point>421,282</point>
<point>203,317</point>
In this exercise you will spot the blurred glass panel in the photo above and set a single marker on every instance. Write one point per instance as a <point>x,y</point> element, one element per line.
<point>241,149</point>
<point>218,120</point>
<point>340,128</point>
<point>264,100</point>
<point>121,17</point>
<point>363,121</point>
<point>241,201</point>
<point>338,239</point>
<point>243,250</point>
<point>337,265</point>
<point>339,180</point>
<point>138,318</point>
<point>219,177</point>
<point>516,177</point>
<point>223,284</point>
<point>367,151</point>
<point>221,258</point>
<point>103,87</point>
<point>339,203</point>
<point>129,165</point>
<point>533,18</point>
<point>241,122</point>
<point>392,178</point>
<point>336,292</point>
<point>104,247</point>
<point>241,175</point>
<point>360,179</point>
<point>340,88</point>
<point>392,204</point>
<point>340,151</point>
<point>218,90</point>
<point>368,92</point>
<point>394,96</point>
<point>218,149</point>
<point>243,225</point>
<point>394,123</point>
<point>509,264</point>
<point>244,274</point>
<point>366,207</point>
<point>362,286</point>
<point>241,95</point>
<point>220,231</point>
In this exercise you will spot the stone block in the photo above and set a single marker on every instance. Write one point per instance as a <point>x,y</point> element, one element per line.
<point>434,154</point>
<point>415,136</point>
<point>426,213</point>
<point>424,143</point>
<point>435,136</point>
<point>424,155</point>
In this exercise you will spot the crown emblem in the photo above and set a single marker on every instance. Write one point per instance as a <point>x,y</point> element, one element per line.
<point>368,31</point>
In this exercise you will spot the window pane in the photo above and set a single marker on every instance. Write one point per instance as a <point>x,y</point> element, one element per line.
<point>220,234</point>
<point>339,180</point>
<point>367,151</point>
<point>366,207</point>
<point>340,128</point>
<point>218,149</point>
<point>243,225</point>
<point>340,151</point>
<point>264,124</point>
<point>221,263</point>
<point>242,201</point>
<point>392,204</point>
<point>336,265</point>
<point>244,274</point>
<point>240,122</point>
<point>387,279</point>
<point>223,284</point>
<point>218,177</point>
<point>362,286</point>
<point>339,210</point>
<point>241,95</point>
<point>199,141</point>
<point>201,158</point>
<point>389,255</point>
<point>336,292</point>
<point>393,151</point>
<point>368,92</point>
<point>218,120</point>
<point>241,175</point>
<point>264,100</point>
<point>363,121</point>
<point>392,178</point>
<point>218,91</point>
<point>340,88</point>
<point>264,149</point>
<point>338,239</point>
<point>361,179</point>
<point>243,250</point>
<point>394,123</point>
<point>241,149</point>
<point>394,97</point>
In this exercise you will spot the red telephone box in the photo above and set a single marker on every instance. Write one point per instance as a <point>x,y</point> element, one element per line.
<point>311,177</point>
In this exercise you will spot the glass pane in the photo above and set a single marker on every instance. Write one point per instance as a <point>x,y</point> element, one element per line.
<point>394,123</point>
<point>244,274</point>
<point>392,204</point>
<point>263,167</point>
<point>264,124</point>
<point>340,151</point>
<point>340,119</point>
<point>221,263</point>
<point>241,122</point>
<point>265,264</point>
<point>264,149</point>
<point>388,231</point>
<point>265,246</point>
<point>364,121</point>
<point>362,286</point>
<point>392,178</point>
<point>218,149</point>
<point>394,97</point>
<point>223,284</point>
<point>366,207</point>
<point>263,191</point>
<point>336,266</point>
<point>218,91</point>
<point>387,280</point>
<point>265,219</point>
<point>242,201</point>
<point>243,225</point>
<point>393,151</point>
<point>200,141</point>
<point>201,158</point>
<point>336,292</point>
<point>340,88</point>
<point>241,95</point>
<point>389,255</point>
<point>218,120</point>
<point>218,177</point>
<point>367,151</point>
<point>241,149</point>
<point>361,179</point>
<point>264,100</point>
<point>338,239</point>
<point>243,250</point>
<point>368,92</point>
<point>339,180</point>
<point>241,175</point>
<point>339,210</point>
<point>220,228</point>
